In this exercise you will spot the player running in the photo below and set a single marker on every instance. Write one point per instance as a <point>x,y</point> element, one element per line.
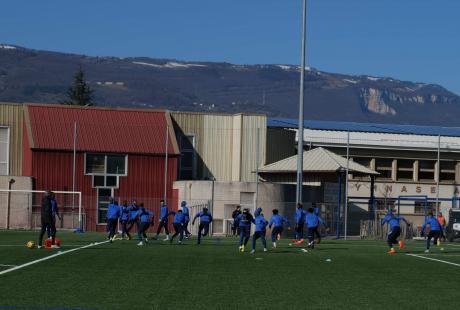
<point>244,221</point>
<point>278,222</point>
<point>395,230</point>
<point>299,222</point>
<point>261,225</point>
<point>124,219</point>
<point>133,208</point>
<point>186,213</point>
<point>179,225</point>
<point>312,220</point>
<point>235,213</point>
<point>205,220</point>
<point>164,213</point>
<point>145,220</point>
<point>113,213</point>
<point>435,230</point>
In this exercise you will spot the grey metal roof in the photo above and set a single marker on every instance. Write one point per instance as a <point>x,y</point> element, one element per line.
<point>317,160</point>
<point>366,127</point>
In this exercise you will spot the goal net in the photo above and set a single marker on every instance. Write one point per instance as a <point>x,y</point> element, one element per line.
<point>21,209</point>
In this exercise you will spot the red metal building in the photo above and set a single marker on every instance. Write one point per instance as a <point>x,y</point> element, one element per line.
<point>119,153</point>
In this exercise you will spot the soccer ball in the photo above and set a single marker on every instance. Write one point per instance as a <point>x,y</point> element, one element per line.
<point>30,244</point>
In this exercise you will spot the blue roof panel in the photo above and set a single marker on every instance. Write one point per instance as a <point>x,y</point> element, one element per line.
<point>366,127</point>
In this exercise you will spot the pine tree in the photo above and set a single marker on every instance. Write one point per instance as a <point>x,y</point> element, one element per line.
<point>80,93</point>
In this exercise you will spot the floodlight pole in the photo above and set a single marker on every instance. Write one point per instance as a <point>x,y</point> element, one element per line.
<point>257,170</point>
<point>438,175</point>
<point>74,170</point>
<point>346,186</point>
<point>166,164</point>
<point>301,104</point>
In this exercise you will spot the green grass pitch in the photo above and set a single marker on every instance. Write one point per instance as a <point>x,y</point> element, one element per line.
<point>214,275</point>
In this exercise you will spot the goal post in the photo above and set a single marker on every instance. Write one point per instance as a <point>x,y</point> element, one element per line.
<point>22,209</point>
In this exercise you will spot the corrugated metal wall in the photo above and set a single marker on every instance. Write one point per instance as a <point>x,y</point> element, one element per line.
<point>252,126</point>
<point>280,144</point>
<point>11,115</point>
<point>225,144</point>
<point>145,180</point>
<point>217,145</point>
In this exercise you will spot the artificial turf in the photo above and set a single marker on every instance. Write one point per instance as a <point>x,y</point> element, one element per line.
<point>337,274</point>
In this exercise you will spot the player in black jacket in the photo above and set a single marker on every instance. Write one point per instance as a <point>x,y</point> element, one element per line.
<point>47,220</point>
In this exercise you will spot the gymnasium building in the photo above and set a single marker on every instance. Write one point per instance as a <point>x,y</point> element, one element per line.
<point>405,158</point>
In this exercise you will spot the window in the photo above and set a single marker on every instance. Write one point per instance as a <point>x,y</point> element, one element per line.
<point>103,200</point>
<point>105,181</point>
<point>4,150</point>
<point>366,162</point>
<point>116,164</point>
<point>187,157</point>
<point>426,170</point>
<point>405,169</point>
<point>102,164</point>
<point>384,167</point>
<point>419,207</point>
<point>447,172</point>
<point>384,204</point>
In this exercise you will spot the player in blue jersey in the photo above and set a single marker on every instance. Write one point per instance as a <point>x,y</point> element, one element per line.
<point>124,219</point>
<point>186,212</point>
<point>113,213</point>
<point>205,219</point>
<point>260,232</point>
<point>179,225</point>
<point>299,220</point>
<point>164,214</point>
<point>145,219</point>
<point>244,221</point>
<point>435,230</point>
<point>132,209</point>
<point>312,220</point>
<point>395,230</point>
<point>278,222</point>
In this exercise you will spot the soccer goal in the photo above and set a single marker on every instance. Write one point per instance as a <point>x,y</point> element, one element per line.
<point>20,209</point>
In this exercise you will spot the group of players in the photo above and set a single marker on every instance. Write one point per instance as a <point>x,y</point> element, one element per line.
<point>394,223</point>
<point>137,215</point>
<point>242,221</point>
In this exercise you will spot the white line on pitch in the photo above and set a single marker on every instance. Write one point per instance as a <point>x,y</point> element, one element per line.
<point>21,245</point>
<point>3,265</point>
<point>434,259</point>
<point>50,257</point>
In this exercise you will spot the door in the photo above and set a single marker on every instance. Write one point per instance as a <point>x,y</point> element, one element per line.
<point>103,200</point>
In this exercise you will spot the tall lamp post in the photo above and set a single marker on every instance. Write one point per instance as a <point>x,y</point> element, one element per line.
<point>301,103</point>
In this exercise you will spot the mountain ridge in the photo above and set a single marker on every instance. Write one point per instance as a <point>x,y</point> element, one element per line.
<point>28,75</point>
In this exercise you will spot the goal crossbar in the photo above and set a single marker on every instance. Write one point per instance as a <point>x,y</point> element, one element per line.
<point>80,218</point>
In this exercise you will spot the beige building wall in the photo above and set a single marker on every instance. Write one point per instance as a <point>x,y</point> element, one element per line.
<point>227,195</point>
<point>11,116</point>
<point>225,144</point>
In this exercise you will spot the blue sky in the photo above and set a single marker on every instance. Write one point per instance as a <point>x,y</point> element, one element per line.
<point>416,40</point>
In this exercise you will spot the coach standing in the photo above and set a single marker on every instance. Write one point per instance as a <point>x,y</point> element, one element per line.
<point>47,220</point>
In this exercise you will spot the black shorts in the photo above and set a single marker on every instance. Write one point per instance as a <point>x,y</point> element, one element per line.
<point>434,234</point>
<point>394,234</point>
<point>245,231</point>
